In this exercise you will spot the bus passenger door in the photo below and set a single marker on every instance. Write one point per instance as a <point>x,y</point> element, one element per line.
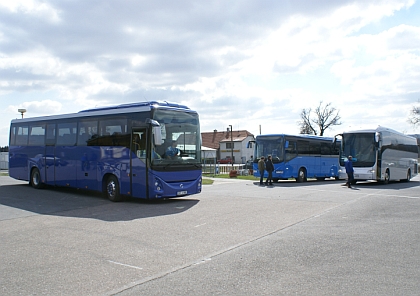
<point>49,165</point>
<point>49,160</point>
<point>139,162</point>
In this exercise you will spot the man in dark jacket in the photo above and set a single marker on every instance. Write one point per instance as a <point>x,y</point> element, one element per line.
<point>349,170</point>
<point>269,167</point>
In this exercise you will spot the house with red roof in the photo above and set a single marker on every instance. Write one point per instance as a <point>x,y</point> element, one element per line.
<point>228,144</point>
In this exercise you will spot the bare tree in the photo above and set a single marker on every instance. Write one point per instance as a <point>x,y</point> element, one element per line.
<point>305,123</point>
<point>325,117</point>
<point>414,117</point>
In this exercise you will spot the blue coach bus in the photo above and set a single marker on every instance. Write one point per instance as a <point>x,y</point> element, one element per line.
<point>298,156</point>
<point>119,150</point>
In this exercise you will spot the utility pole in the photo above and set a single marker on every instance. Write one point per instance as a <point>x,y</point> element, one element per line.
<point>231,144</point>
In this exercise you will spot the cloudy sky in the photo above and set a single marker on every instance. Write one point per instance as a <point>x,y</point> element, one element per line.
<point>246,63</point>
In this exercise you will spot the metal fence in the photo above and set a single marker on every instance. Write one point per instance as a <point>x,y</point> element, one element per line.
<point>216,169</point>
<point>4,160</point>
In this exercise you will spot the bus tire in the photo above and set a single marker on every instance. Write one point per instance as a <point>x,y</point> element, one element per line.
<point>301,176</point>
<point>112,189</point>
<point>386,180</point>
<point>408,176</point>
<point>35,181</point>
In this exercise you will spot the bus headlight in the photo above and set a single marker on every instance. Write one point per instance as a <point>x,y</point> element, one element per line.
<point>158,185</point>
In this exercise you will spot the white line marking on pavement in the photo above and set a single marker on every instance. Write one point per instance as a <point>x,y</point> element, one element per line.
<point>136,267</point>
<point>200,225</point>
<point>393,195</point>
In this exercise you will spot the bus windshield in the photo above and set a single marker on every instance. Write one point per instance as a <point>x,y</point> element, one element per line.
<point>180,132</point>
<point>361,147</point>
<point>270,146</point>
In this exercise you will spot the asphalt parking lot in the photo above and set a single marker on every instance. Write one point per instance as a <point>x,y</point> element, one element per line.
<point>235,238</point>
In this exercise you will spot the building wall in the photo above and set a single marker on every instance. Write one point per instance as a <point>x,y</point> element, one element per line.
<point>240,151</point>
<point>4,160</point>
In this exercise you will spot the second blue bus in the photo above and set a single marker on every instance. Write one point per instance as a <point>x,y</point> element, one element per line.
<point>298,156</point>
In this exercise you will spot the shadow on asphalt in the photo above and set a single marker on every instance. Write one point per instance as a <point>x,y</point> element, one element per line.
<point>293,183</point>
<point>394,185</point>
<point>85,204</point>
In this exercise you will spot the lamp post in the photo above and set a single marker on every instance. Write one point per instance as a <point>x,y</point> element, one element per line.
<point>231,144</point>
<point>21,111</point>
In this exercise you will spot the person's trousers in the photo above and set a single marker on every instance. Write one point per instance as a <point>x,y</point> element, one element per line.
<point>262,177</point>
<point>350,178</point>
<point>270,177</point>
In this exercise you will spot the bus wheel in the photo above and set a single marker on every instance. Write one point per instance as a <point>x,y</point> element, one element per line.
<point>386,180</point>
<point>36,179</point>
<point>112,189</point>
<point>301,176</point>
<point>408,176</point>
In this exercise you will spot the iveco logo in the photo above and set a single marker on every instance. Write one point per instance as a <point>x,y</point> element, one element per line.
<point>181,185</point>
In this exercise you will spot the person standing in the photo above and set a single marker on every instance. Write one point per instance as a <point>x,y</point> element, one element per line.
<point>269,167</point>
<point>349,171</point>
<point>261,168</point>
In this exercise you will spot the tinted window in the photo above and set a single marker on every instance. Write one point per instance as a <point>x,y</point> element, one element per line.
<point>314,148</point>
<point>37,135</point>
<point>114,132</point>
<point>12,140</point>
<point>326,148</point>
<point>291,151</point>
<point>66,134</point>
<point>87,133</point>
<point>22,135</point>
<point>50,138</point>
<point>303,147</point>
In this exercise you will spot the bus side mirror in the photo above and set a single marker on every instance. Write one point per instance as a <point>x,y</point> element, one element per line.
<point>157,131</point>
<point>335,140</point>
<point>157,135</point>
<point>378,140</point>
<point>249,144</point>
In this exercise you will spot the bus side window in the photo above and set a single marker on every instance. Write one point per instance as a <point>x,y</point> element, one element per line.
<point>86,133</point>
<point>303,148</point>
<point>50,139</point>
<point>291,151</point>
<point>326,148</point>
<point>37,135</point>
<point>113,132</point>
<point>12,140</point>
<point>314,148</point>
<point>67,134</point>
<point>22,135</point>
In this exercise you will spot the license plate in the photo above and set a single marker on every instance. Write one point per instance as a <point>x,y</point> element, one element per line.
<point>357,176</point>
<point>181,193</point>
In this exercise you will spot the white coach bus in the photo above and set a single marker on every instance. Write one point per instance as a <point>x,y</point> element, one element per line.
<point>380,154</point>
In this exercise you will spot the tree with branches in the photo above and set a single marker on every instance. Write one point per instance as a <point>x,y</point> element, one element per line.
<point>414,117</point>
<point>325,117</point>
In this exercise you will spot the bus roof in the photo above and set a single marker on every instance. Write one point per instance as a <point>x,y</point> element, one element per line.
<point>152,104</point>
<point>303,136</point>
<point>379,129</point>
<point>108,110</point>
